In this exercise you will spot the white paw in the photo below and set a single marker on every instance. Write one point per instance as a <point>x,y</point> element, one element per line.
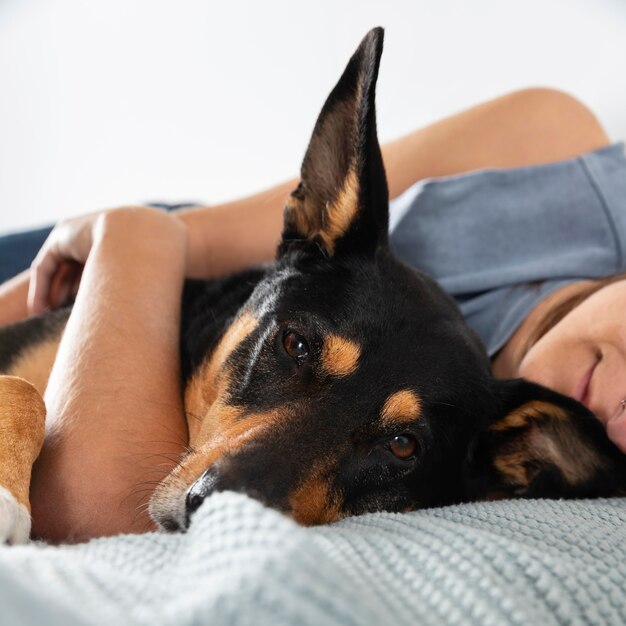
<point>14,519</point>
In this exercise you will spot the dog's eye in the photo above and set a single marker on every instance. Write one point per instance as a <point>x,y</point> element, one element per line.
<point>403,446</point>
<point>295,346</point>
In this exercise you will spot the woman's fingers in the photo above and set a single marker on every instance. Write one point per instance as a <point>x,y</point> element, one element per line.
<point>64,283</point>
<point>54,290</point>
<point>69,243</point>
<point>43,269</point>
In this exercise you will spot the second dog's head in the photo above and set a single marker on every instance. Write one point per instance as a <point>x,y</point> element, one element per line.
<point>349,382</point>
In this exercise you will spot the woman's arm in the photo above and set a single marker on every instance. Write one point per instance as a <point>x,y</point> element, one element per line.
<point>527,127</point>
<point>13,294</point>
<point>115,417</point>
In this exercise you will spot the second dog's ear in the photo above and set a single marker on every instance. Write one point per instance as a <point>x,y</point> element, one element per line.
<point>341,204</point>
<point>542,444</point>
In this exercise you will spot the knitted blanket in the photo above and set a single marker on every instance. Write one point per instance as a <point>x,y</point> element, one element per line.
<point>519,562</point>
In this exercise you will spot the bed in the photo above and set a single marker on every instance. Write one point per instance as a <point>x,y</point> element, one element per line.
<point>509,562</point>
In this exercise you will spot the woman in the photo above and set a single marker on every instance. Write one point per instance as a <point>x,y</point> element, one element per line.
<point>102,457</point>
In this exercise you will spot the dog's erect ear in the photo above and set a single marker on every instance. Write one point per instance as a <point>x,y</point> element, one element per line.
<point>542,444</point>
<point>341,204</point>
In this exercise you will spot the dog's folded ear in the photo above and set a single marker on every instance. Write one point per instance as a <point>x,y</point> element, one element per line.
<point>341,204</point>
<point>542,444</point>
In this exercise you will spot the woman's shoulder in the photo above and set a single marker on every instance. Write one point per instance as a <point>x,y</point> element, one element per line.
<point>497,227</point>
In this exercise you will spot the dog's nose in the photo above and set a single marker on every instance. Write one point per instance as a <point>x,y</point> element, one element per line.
<point>200,489</point>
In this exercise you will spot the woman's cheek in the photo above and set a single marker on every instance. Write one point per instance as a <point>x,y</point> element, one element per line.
<point>558,365</point>
<point>536,367</point>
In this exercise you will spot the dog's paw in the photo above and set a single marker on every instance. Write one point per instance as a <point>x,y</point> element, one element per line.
<point>22,429</point>
<point>14,519</point>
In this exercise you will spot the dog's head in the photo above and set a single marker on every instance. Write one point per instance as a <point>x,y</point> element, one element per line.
<point>349,382</point>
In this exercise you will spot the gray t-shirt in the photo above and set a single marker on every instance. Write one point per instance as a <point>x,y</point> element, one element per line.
<point>501,240</point>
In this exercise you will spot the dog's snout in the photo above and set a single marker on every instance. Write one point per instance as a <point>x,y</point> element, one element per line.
<point>200,489</point>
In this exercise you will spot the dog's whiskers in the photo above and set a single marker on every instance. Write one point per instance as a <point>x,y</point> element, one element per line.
<point>193,415</point>
<point>454,406</point>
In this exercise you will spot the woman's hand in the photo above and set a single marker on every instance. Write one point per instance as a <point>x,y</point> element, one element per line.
<point>57,269</point>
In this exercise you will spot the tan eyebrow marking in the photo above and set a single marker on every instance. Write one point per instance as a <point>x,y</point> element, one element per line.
<point>401,407</point>
<point>340,356</point>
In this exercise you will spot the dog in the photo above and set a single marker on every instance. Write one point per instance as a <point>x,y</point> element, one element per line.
<point>336,381</point>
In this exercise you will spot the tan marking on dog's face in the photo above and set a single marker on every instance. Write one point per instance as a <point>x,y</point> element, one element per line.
<point>22,417</point>
<point>35,363</point>
<point>211,379</point>
<point>312,503</point>
<point>400,408</point>
<point>224,420</point>
<point>339,356</point>
<point>231,430</point>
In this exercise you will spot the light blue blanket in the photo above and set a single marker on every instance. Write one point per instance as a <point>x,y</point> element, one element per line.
<point>524,562</point>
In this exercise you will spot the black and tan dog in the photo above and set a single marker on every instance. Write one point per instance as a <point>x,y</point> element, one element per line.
<point>338,380</point>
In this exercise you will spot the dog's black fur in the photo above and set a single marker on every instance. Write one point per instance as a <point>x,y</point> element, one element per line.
<point>339,331</point>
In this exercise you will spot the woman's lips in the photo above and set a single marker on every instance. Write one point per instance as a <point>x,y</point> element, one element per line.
<point>582,389</point>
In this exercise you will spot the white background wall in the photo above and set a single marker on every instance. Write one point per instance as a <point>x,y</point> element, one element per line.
<point>119,101</point>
